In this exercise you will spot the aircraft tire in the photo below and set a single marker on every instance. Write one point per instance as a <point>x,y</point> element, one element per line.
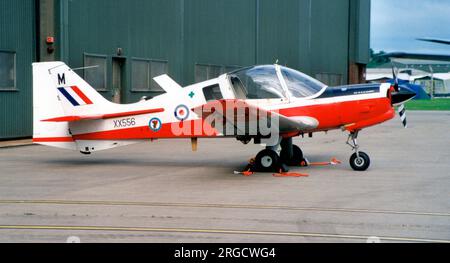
<point>296,159</point>
<point>267,161</point>
<point>361,163</point>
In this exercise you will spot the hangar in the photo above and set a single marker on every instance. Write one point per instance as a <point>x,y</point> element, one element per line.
<point>133,41</point>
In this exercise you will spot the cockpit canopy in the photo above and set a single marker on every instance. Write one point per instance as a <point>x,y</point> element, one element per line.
<point>273,82</point>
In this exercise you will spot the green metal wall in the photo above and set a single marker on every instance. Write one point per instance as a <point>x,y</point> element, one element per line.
<point>17,26</point>
<point>329,37</point>
<point>359,30</point>
<point>218,32</point>
<point>310,35</point>
<point>143,29</point>
<point>280,31</point>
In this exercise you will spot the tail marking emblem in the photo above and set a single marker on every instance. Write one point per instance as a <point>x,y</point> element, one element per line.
<point>75,96</point>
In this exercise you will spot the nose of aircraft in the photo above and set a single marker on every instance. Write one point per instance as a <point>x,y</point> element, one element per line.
<point>402,95</point>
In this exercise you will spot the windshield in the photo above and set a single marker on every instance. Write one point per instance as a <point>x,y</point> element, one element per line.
<point>260,82</point>
<point>300,85</point>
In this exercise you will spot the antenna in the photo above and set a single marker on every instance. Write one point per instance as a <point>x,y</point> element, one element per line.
<point>89,67</point>
<point>50,69</point>
<point>73,69</point>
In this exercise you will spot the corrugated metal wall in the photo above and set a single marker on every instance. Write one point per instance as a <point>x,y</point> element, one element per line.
<point>318,37</point>
<point>359,30</point>
<point>309,35</point>
<point>143,29</point>
<point>329,37</point>
<point>17,26</point>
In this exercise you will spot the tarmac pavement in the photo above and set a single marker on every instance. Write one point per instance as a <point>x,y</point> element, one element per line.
<point>162,192</point>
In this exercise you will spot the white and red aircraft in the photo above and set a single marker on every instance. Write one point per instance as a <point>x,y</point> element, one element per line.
<point>70,114</point>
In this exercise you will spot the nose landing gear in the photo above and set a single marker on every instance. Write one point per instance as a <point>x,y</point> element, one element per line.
<point>359,161</point>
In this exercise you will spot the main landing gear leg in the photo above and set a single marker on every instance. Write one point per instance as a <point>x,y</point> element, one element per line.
<point>359,161</point>
<point>291,154</point>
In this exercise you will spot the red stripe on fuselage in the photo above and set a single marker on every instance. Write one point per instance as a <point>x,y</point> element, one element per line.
<point>195,128</point>
<point>81,95</point>
<point>53,139</point>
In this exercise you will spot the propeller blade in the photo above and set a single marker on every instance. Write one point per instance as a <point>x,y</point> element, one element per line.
<point>402,113</point>
<point>397,71</point>
<point>395,76</point>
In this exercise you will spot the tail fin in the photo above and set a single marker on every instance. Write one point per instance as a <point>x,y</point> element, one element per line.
<point>75,94</point>
<point>59,91</point>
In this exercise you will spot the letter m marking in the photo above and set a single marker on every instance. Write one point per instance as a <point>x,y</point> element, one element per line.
<point>62,79</point>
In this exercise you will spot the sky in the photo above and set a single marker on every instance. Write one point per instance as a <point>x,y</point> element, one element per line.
<point>395,25</point>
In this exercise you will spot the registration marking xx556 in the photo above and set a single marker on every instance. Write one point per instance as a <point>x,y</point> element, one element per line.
<point>127,122</point>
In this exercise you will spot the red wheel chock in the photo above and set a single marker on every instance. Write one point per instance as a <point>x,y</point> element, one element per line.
<point>283,174</point>
<point>333,161</point>
<point>248,169</point>
<point>244,173</point>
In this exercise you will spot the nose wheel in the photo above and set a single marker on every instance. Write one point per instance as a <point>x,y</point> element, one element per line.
<point>359,161</point>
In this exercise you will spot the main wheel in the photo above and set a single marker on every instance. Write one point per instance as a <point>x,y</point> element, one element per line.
<point>296,159</point>
<point>267,161</point>
<point>360,163</point>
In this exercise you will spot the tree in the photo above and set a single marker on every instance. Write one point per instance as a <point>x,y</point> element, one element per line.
<point>377,59</point>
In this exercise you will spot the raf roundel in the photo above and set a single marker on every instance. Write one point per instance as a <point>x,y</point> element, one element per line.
<point>155,124</point>
<point>181,112</point>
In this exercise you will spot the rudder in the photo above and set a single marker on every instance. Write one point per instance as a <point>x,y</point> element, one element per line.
<point>46,105</point>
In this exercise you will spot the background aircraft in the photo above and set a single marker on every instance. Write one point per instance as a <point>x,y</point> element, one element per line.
<point>437,57</point>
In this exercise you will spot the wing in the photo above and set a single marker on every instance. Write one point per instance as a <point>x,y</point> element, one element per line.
<point>103,116</point>
<point>439,57</point>
<point>240,113</point>
<point>436,40</point>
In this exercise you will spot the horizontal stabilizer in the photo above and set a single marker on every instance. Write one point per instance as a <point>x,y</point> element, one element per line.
<point>103,116</point>
<point>167,84</point>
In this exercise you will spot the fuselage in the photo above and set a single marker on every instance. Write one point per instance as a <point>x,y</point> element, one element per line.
<point>350,107</point>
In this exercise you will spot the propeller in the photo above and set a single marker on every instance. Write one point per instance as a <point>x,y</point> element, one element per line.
<point>402,112</point>
<point>400,94</point>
